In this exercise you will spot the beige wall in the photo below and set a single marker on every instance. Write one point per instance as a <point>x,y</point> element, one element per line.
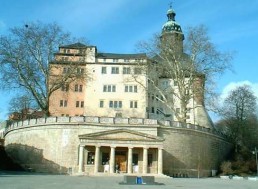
<point>94,93</point>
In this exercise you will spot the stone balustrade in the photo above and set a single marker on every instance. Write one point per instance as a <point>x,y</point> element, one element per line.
<point>108,121</point>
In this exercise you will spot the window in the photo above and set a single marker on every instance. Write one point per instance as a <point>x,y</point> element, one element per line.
<point>115,104</point>
<point>82,104</point>
<point>135,88</point>
<point>126,60</point>
<point>65,87</point>
<point>131,88</point>
<point>101,103</point>
<point>91,157</point>
<point>133,104</point>
<point>165,84</point>
<point>63,103</point>
<point>126,70</point>
<point>64,58</point>
<point>78,88</point>
<point>115,70</point>
<point>115,60</point>
<point>66,70</point>
<point>81,51</point>
<point>111,104</point>
<point>157,97</point>
<point>109,88</point>
<point>152,96</point>
<point>79,104</point>
<point>137,71</point>
<point>152,110</point>
<point>80,70</point>
<point>104,70</point>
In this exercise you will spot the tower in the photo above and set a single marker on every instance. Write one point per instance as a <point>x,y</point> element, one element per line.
<point>172,33</point>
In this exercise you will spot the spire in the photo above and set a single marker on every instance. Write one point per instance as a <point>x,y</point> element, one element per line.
<point>171,13</point>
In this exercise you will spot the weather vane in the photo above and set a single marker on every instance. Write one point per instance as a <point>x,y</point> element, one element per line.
<point>170,4</point>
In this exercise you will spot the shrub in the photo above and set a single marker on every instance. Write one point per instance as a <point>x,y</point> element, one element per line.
<point>226,168</point>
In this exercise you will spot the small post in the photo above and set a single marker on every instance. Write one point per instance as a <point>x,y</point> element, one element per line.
<point>255,152</point>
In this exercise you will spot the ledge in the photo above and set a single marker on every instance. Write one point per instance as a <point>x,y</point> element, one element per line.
<point>108,121</point>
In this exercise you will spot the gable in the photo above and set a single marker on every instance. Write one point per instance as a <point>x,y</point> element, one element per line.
<point>121,134</point>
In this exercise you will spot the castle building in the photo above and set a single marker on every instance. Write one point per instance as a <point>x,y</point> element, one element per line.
<point>110,89</point>
<point>111,118</point>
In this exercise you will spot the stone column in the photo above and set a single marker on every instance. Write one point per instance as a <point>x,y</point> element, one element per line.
<point>160,161</point>
<point>112,159</point>
<point>81,152</point>
<point>96,160</point>
<point>130,160</point>
<point>145,160</point>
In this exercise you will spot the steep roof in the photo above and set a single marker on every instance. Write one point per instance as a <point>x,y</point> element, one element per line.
<point>75,46</point>
<point>114,55</point>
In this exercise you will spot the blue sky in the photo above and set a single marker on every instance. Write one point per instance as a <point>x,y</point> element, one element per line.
<point>117,25</point>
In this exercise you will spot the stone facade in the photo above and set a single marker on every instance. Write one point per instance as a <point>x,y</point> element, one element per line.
<point>142,146</point>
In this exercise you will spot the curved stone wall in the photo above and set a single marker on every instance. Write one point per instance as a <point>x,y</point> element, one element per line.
<point>192,153</point>
<point>52,144</point>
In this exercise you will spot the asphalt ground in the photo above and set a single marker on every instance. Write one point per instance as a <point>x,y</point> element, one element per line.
<point>21,180</point>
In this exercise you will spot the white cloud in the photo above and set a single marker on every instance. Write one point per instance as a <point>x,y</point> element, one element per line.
<point>231,86</point>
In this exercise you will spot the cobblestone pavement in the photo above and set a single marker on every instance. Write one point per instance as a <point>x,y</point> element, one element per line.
<point>19,180</point>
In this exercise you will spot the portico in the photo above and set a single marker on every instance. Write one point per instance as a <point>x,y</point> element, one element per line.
<point>131,151</point>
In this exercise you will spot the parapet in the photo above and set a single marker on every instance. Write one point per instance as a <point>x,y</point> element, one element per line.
<point>86,120</point>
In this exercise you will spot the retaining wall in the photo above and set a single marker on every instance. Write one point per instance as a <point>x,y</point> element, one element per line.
<point>51,144</point>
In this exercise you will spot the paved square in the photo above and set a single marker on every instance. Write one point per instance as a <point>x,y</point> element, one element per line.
<point>18,180</point>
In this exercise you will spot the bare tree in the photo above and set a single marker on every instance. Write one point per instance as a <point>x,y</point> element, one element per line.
<point>238,114</point>
<point>189,70</point>
<point>21,105</point>
<point>25,57</point>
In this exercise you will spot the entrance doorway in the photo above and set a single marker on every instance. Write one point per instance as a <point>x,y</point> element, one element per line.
<point>120,160</point>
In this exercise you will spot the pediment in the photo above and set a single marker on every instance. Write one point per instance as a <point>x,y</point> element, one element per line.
<point>121,134</point>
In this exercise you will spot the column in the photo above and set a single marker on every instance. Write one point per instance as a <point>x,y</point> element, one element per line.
<point>81,151</point>
<point>112,159</point>
<point>145,160</point>
<point>130,160</point>
<point>160,161</point>
<point>96,160</point>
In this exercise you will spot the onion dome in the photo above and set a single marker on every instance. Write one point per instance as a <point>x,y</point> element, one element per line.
<point>171,25</point>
